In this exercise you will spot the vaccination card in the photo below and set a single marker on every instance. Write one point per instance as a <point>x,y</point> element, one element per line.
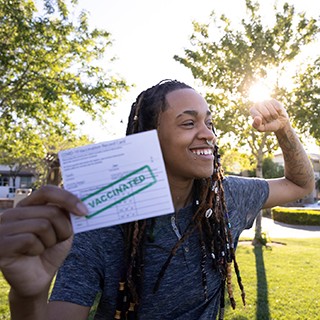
<point>119,181</point>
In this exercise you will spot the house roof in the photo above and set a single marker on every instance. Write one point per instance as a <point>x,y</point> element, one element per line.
<point>20,174</point>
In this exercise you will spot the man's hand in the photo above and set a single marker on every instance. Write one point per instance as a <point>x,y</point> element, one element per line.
<point>269,116</point>
<point>35,238</point>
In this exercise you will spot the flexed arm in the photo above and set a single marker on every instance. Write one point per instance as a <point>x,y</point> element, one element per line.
<point>270,116</point>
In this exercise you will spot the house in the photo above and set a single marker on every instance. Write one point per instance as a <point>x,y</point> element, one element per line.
<point>9,181</point>
<point>315,161</point>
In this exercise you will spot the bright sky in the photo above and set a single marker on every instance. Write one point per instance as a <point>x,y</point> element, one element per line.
<point>147,34</point>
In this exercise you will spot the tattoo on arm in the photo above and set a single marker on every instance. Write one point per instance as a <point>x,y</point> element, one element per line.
<point>298,168</point>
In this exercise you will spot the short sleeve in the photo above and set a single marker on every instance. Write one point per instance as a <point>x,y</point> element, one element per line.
<point>245,198</point>
<point>82,274</point>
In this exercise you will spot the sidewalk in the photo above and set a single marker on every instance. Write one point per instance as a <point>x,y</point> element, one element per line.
<point>279,230</point>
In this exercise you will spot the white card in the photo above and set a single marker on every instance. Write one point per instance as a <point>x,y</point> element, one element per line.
<point>119,181</point>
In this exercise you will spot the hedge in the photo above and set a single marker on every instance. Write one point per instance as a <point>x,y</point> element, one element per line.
<point>296,216</point>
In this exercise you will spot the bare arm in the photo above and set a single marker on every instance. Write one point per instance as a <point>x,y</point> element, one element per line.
<point>299,177</point>
<point>39,309</point>
<point>66,311</point>
<point>28,308</point>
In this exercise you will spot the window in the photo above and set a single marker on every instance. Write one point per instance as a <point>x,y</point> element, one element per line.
<point>25,182</point>
<point>4,181</point>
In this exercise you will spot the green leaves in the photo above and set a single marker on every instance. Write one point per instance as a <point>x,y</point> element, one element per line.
<point>48,68</point>
<point>305,101</point>
<point>48,64</point>
<point>229,60</point>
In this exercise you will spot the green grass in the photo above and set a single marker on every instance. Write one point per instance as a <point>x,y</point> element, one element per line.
<point>4,291</point>
<point>280,283</point>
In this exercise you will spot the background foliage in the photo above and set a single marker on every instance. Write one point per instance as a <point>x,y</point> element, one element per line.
<point>228,60</point>
<point>297,216</point>
<point>48,70</point>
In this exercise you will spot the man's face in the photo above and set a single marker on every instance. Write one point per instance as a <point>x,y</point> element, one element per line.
<point>183,130</point>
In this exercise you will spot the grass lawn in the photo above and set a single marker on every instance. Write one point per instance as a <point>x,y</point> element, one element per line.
<point>4,290</point>
<point>280,283</point>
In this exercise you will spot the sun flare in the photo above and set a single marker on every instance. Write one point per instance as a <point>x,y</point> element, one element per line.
<point>259,91</point>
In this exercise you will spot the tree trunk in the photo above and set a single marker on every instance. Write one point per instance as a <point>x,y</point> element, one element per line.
<point>258,230</point>
<point>54,170</point>
<point>258,225</point>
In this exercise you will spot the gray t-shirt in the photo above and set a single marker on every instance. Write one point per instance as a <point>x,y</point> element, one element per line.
<point>96,260</point>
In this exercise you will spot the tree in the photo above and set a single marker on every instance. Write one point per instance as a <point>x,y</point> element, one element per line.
<point>229,61</point>
<point>305,100</point>
<point>17,154</point>
<point>271,169</point>
<point>235,162</point>
<point>48,69</point>
<point>47,168</point>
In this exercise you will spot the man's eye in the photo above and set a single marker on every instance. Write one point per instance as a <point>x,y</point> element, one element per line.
<point>210,125</point>
<point>188,124</point>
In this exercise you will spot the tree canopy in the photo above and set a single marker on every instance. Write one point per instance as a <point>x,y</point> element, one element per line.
<point>48,69</point>
<point>228,60</point>
<point>305,100</point>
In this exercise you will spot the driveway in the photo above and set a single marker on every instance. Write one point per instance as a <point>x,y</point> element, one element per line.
<point>276,229</point>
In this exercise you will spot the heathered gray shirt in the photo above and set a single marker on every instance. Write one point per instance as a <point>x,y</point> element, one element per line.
<point>95,261</point>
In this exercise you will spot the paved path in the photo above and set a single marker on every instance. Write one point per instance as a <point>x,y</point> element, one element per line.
<point>276,229</point>
<point>280,230</point>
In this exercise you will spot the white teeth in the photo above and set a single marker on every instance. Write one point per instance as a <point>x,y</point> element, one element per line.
<point>202,152</point>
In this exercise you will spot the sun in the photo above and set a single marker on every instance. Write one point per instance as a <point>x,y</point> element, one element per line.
<point>259,91</point>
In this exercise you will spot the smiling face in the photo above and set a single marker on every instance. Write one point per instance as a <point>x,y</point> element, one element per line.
<point>183,129</point>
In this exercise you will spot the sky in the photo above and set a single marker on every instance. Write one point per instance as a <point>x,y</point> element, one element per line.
<point>147,34</point>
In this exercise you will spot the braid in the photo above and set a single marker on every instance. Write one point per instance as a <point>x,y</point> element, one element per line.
<point>212,221</point>
<point>226,238</point>
<point>135,267</point>
<point>143,117</point>
<point>128,295</point>
<point>210,218</point>
<point>190,229</point>
<point>148,105</point>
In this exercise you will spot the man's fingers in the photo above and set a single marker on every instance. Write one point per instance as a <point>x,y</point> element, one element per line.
<point>269,116</point>
<point>48,222</point>
<point>257,122</point>
<point>266,110</point>
<point>41,221</point>
<point>23,243</point>
<point>53,195</point>
<point>42,228</point>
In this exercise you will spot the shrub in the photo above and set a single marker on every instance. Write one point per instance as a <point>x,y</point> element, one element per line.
<point>297,216</point>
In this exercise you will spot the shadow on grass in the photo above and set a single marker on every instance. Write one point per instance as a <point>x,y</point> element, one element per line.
<point>263,312</point>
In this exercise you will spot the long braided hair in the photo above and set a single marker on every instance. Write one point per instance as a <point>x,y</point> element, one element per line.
<point>210,218</point>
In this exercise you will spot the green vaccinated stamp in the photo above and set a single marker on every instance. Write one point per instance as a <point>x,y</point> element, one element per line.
<point>119,190</point>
